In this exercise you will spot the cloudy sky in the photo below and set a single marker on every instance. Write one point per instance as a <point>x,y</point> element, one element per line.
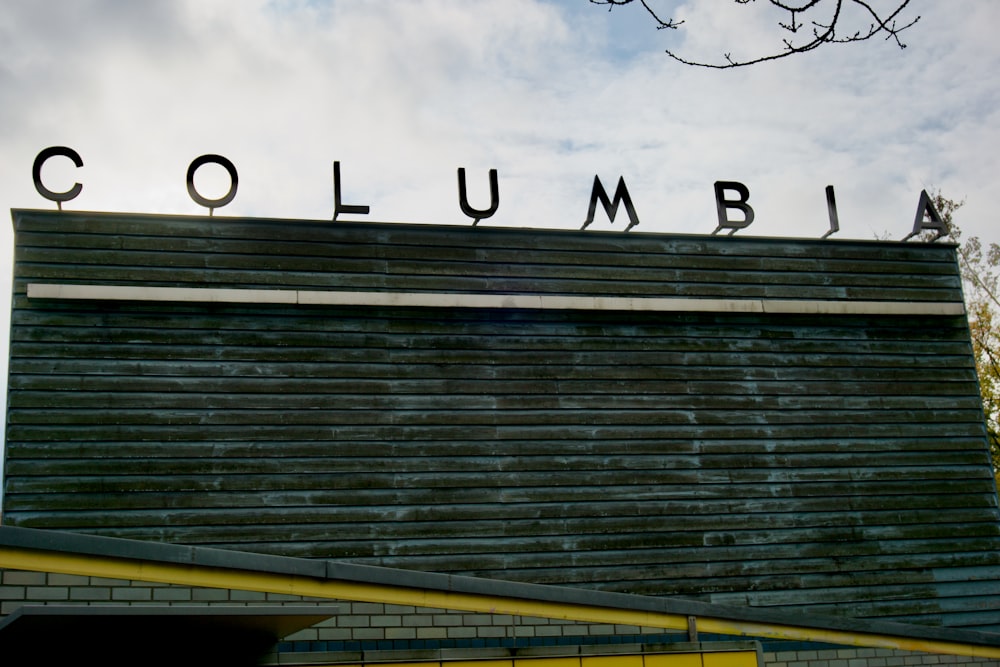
<point>548,92</point>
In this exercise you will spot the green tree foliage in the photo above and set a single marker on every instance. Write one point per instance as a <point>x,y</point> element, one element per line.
<point>980,267</point>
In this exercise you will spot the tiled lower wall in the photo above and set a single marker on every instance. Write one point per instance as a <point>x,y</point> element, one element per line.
<point>865,657</point>
<point>361,626</point>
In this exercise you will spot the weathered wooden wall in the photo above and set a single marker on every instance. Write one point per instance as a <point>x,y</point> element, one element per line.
<point>833,462</point>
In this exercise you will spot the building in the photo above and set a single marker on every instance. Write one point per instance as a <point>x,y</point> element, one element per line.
<point>732,438</point>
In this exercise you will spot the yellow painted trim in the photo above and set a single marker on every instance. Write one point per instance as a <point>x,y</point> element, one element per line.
<point>693,658</point>
<point>729,659</point>
<point>620,660</point>
<point>214,577</point>
<point>678,660</point>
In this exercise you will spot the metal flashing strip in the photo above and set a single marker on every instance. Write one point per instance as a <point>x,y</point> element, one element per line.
<point>477,300</point>
<point>54,551</point>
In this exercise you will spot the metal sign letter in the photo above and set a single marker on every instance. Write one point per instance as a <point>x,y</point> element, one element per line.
<point>338,207</point>
<point>463,198</point>
<point>831,207</point>
<point>722,204</point>
<point>611,206</point>
<point>927,219</point>
<point>212,204</point>
<point>36,174</point>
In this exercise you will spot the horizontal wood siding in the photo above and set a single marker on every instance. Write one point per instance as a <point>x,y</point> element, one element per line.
<point>835,462</point>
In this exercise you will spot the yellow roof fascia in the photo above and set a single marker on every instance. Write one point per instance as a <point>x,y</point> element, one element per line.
<point>39,560</point>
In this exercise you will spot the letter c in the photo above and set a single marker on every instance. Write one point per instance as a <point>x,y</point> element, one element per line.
<point>36,174</point>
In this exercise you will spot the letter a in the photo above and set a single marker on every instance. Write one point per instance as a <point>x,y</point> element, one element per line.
<point>722,204</point>
<point>611,206</point>
<point>927,219</point>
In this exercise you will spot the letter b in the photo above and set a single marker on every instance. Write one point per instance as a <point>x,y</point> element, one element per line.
<point>722,206</point>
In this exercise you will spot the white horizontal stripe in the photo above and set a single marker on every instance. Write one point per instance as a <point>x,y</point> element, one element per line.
<point>139,293</point>
<point>473,300</point>
<point>865,307</point>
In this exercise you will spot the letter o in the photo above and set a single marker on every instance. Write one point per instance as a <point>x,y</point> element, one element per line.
<point>221,201</point>
<point>36,174</point>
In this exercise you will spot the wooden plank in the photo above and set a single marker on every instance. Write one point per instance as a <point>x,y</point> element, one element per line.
<point>191,267</point>
<point>914,464</point>
<point>420,236</point>
<point>433,396</point>
<point>892,448</point>
<point>517,432</point>
<point>740,500</point>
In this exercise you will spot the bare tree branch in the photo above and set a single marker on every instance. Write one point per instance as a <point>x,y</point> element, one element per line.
<point>801,13</point>
<point>660,23</point>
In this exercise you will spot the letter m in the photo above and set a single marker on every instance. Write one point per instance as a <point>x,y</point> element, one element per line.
<point>598,193</point>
